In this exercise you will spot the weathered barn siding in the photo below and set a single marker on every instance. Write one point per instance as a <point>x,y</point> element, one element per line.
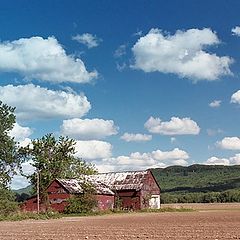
<point>125,190</point>
<point>133,190</point>
<point>105,202</point>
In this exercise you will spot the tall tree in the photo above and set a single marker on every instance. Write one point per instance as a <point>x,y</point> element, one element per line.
<point>53,158</point>
<point>8,159</point>
<point>8,152</point>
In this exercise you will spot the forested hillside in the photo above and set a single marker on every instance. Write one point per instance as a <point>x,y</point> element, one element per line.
<point>196,183</point>
<point>199,183</point>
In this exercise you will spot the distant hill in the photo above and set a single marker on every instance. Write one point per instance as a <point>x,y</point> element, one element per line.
<point>23,193</point>
<point>196,183</point>
<point>199,183</point>
<point>27,190</point>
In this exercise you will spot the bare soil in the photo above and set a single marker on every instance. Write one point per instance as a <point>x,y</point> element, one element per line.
<point>202,224</point>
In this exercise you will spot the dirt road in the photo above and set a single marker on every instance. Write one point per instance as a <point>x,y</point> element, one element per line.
<point>214,225</point>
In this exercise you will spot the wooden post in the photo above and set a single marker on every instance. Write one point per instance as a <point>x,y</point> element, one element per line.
<point>38,198</point>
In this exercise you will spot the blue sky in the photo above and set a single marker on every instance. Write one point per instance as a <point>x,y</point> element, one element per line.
<point>138,84</point>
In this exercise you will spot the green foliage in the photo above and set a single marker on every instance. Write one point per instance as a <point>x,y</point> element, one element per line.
<point>83,203</point>
<point>200,197</point>
<point>199,183</point>
<point>8,151</point>
<point>54,158</point>
<point>7,202</point>
<point>9,160</point>
<point>18,216</point>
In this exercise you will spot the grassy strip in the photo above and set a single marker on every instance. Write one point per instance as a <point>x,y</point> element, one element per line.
<point>29,215</point>
<point>19,216</point>
<point>115,211</point>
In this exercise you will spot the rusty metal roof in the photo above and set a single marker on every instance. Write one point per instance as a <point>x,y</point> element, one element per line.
<point>74,186</point>
<point>122,180</point>
<point>107,183</point>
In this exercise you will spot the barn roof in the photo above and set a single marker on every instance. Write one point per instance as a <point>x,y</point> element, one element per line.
<point>74,186</point>
<point>122,180</point>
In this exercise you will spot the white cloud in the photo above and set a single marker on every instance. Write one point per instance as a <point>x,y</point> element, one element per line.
<point>236,97</point>
<point>180,162</point>
<point>215,104</point>
<point>131,137</point>
<point>176,153</point>
<point>19,181</point>
<point>213,132</point>
<point>176,126</point>
<point>173,139</point>
<point>236,159</point>
<point>120,51</point>
<point>36,102</point>
<point>183,54</point>
<point>217,161</point>
<point>236,31</point>
<point>25,142</point>
<point>230,143</point>
<point>88,129</point>
<point>87,39</point>
<point>88,150</point>
<point>42,59</point>
<point>140,161</point>
<point>20,133</point>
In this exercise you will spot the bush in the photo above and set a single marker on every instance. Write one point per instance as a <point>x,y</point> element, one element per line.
<point>85,202</point>
<point>7,202</point>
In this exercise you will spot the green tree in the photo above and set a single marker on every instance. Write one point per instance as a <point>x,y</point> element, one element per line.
<point>9,161</point>
<point>53,158</point>
<point>8,151</point>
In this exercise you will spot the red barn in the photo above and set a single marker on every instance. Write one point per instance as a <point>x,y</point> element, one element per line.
<point>127,190</point>
<point>133,190</point>
<point>60,190</point>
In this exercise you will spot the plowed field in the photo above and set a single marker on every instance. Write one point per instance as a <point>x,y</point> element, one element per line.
<point>214,225</point>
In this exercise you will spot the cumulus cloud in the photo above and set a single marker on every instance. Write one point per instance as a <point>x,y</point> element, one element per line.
<point>236,97</point>
<point>146,160</point>
<point>36,102</point>
<point>131,137</point>
<point>88,150</point>
<point>217,161</point>
<point>236,31</point>
<point>236,159</point>
<point>229,143</point>
<point>20,133</point>
<point>215,104</point>
<point>176,153</point>
<point>87,39</point>
<point>88,129</point>
<point>42,59</point>
<point>176,126</point>
<point>183,53</point>
<point>19,181</point>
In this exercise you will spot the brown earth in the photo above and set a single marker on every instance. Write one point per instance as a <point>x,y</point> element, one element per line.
<point>215,225</point>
